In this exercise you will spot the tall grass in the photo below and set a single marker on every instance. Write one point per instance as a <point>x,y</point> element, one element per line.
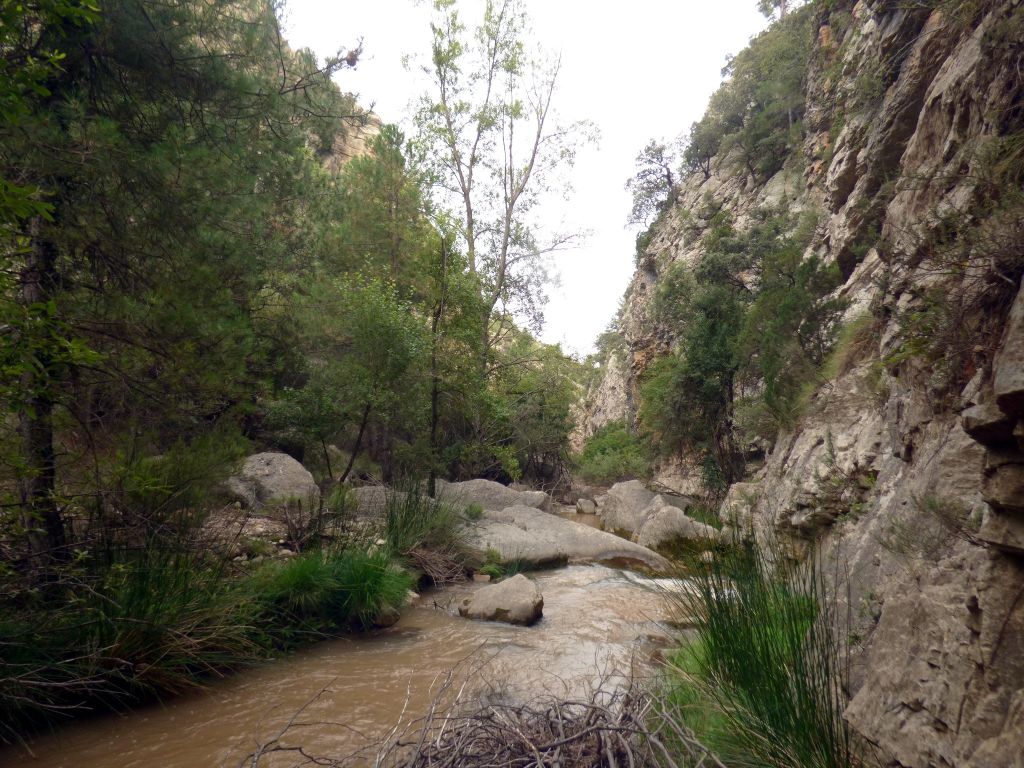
<point>160,620</point>
<point>767,660</point>
<point>427,533</point>
<point>323,591</point>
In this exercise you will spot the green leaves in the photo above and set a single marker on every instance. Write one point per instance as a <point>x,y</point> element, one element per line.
<point>754,322</point>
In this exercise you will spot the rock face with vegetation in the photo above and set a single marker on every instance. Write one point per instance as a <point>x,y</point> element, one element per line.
<point>831,295</point>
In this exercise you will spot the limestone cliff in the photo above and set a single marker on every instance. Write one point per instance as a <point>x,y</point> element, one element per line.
<point>908,461</point>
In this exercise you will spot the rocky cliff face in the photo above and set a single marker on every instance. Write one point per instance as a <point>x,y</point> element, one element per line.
<point>909,462</point>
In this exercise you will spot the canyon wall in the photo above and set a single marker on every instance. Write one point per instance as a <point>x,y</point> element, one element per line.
<point>908,461</point>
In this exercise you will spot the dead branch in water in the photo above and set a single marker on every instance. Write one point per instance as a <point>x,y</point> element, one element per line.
<point>614,727</point>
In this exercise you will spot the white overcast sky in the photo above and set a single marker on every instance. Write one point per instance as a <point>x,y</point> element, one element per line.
<point>638,69</point>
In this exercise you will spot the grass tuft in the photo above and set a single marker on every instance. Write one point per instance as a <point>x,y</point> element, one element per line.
<point>764,677</point>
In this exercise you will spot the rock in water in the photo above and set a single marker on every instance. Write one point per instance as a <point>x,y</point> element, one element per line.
<point>586,507</point>
<point>624,505</point>
<point>515,601</point>
<point>665,524</point>
<point>273,480</point>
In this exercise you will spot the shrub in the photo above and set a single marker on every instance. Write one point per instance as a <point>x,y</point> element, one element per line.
<point>330,590</point>
<point>162,618</point>
<point>612,454</point>
<point>767,660</point>
<point>426,533</point>
<point>137,623</point>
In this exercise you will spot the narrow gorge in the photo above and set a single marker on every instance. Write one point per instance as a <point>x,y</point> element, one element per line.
<point>292,471</point>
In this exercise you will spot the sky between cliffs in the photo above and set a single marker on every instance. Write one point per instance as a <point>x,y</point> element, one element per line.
<point>638,70</point>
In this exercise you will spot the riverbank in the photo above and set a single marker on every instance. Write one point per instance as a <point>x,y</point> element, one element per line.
<point>596,620</point>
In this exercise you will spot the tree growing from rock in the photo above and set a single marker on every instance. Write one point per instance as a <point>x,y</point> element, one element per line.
<point>653,186</point>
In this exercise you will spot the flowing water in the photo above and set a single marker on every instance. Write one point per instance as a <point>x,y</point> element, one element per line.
<point>598,622</point>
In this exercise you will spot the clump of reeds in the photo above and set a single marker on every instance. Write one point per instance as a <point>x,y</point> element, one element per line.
<point>763,678</point>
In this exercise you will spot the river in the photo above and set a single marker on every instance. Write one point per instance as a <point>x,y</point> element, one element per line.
<point>598,623</point>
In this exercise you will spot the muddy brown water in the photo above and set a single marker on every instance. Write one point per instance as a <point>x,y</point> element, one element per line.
<point>598,622</point>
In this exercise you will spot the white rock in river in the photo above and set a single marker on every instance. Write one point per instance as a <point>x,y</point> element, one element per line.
<point>516,600</point>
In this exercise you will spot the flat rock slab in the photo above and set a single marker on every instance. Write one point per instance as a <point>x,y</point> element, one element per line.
<point>540,539</point>
<point>491,495</point>
<point>516,600</point>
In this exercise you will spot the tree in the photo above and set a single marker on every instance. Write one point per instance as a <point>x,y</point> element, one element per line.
<point>171,145</point>
<point>29,57</point>
<point>703,143</point>
<point>381,221</point>
<point>769,7</point>
<point>653,186</point>
<point>488,125</point>
<point>364,353</point>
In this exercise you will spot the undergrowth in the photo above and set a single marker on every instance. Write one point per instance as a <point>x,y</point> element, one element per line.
<point>158,620</point>
<point>612,454</point>
<point>762,680</point>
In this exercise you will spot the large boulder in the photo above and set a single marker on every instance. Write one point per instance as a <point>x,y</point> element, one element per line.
<point>536,538</point>
<point>370,500</point>
<point>273,480</point>
<point>491,495</point>
<point>516,601</point>
<point>666,524</point>
<point>586,507</point>
<point>624,505</point>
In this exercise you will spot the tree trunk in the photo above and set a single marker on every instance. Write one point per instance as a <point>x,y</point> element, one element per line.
<point>435,381</point>
<point>40,514</point>
<point>327,459</point>
<point>359,441</point>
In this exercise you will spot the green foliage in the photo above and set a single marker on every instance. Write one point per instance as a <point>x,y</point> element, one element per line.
<point>686,397</point>
<point>127,624</point>
<point>413,521</point>
<point>328,590</point>
<point>765,671</point>
<point>187,272</point>
<point>612,454</point>
<point>653,186</point>
<point>488,84</point>
<point>130,625</point>
<point>154,487</point>
<point>754,323</point>
<point>32,36</point>
<point>789,327</point>
<point>756,112</point>
<point>365,357</point>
